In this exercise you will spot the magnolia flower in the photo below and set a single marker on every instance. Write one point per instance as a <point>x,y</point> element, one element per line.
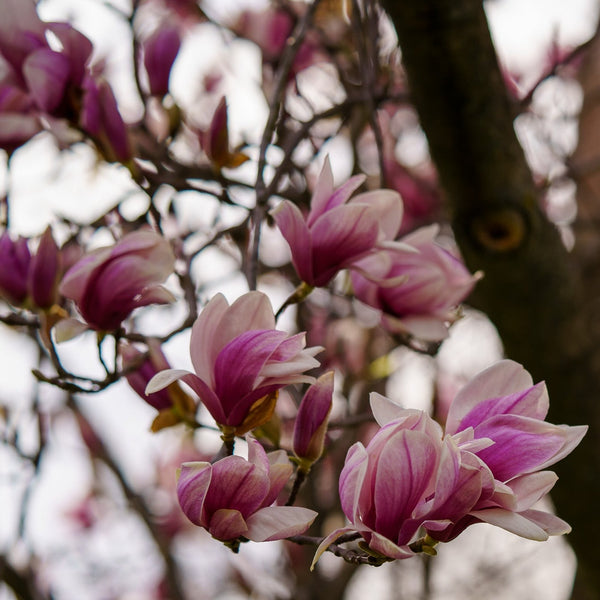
<point>385,486</point>
<point>233,498</point>
<point>488,467</point>
<point>240,361</point>
<point>498,417</point>
<point>38,82</point>
<point>420,291</point>
<point>310,427</point>
<point>337,232</point>
<point>109,283</point>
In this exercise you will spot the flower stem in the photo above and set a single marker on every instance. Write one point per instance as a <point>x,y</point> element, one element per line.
<point>301,292</point>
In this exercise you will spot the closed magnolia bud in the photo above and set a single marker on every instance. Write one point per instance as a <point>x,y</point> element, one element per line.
<point>44,272</point>
<point>160,52</point>
<point>14,266</point>
<point>311,422</point>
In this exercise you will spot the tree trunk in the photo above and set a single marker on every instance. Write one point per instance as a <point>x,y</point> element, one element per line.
<point>532,289</point>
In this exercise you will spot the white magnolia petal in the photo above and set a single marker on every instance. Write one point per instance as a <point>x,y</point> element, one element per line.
<point>278,522</point>
<point>164,378</point>
<point>513,522</point>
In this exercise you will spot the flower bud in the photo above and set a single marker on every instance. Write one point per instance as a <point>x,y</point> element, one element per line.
<point>14,266</point>
<point>44,272</point>
<point>311,422</point>
<point>160,51</point>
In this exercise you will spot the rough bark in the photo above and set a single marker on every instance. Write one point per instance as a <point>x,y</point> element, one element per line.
<point>533,289</point>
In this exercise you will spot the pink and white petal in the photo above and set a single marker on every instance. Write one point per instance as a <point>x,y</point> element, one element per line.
<point>164,378</point>
<point>530,488</point>
<point>193,482</point>
<point>278,522</point>
<point>550,523</point>
<point>572,436</point>
<point>404,472</point>
<point>523,445</point>
<point>257,455</point>
<point>387,206</point>
<point>513,522</point>
<point>279,475</point>
<point>351,481</point>
<point>236,483</point>
<point>251,311</point>
<point>206,341</point>
<point>294,229</point>
<point>327,541</point>
<point>67,329</point>
<point>422,236</point>
<point>532,403</point>
<point>337,198</point>
<point>501,379</point>
<point>227,524</point>
<point>76,47</point>
<point>323,189</point>
<point>155,295</point>
<point>384,410</point>
<point>386,547</point>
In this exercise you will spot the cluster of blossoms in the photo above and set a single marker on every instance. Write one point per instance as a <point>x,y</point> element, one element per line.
<point>417,482</point>
<point>487,467</point>
<point>415,283</point>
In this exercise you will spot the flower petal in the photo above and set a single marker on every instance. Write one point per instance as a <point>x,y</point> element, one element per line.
<point>278,522</point>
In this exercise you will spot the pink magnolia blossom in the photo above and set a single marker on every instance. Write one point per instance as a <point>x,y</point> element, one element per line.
<point>109,283</point>
<point>488,467</point>
<point>240,361</point>
<point>406,477</point>
<point>160,52</point>
<point>420,291</point>
<point>338,231</point>
<point>233,498</point>
<point>30,277</point>
<point>310,427</point>
<point>503,409</point>
<point>38,81</point>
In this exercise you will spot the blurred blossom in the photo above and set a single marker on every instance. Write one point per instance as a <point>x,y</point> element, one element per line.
<point>338,231</point>
<point>109,283</point>
<point>420,291</point>
<point>215,141</point>
<point>173,404</point>
<point>233,498</point>
<point>160,51</point>
<point>15,259</point>
<point>310,427</point>
<point>42,86</point>
<point>240,362</point>
<point>100,118</point>
<point>26,278</point>
<point>488,467</point>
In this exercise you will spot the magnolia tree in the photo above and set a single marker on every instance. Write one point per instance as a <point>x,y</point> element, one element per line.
<point>280,422</point>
